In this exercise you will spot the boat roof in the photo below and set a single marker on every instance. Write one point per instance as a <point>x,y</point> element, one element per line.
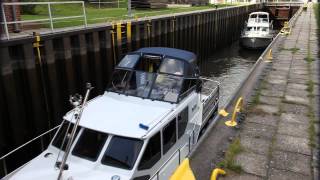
<point>122,115</point>
<point>260,12</point>
<point>172,52</point>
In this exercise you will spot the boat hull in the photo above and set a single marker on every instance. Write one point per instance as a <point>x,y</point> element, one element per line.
<point>255,42</point>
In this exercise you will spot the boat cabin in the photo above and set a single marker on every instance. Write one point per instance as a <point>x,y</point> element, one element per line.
<point>161,74</point>
<point>258,17</point>
<point>258,24</point>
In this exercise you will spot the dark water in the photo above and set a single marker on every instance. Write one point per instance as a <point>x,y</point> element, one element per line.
<point>229,66</point>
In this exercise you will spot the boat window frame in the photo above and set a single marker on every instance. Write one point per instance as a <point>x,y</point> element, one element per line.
<point>143,150</point>
<point>99,151</point>
<point>107,145</point>
<point>183,112</point>
<point>187,67</point>
<point>164,128</point>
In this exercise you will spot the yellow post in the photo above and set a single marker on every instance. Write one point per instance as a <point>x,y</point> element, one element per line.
<point>119,33</point>
<point>216,172</point>
<point>237,109</point>
<point>113,44</point>
<point>149,32</point>
<point>129,31</point>
<point>36,45</point>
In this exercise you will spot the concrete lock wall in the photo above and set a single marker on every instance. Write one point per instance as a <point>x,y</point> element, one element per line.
<point>34,92</point>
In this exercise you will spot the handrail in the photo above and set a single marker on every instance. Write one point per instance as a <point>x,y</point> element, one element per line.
<point>30,141</point>
<point>3,158</point>
<point>213,90</point>
<point>50,18</point>
<point>39,3</point>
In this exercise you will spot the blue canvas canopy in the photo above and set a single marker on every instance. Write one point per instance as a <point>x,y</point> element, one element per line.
<point>172,52</point>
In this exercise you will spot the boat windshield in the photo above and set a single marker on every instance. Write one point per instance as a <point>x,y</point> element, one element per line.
<point>149,77</point>
<point>122,152</point>
<point>259,18</point>
<point>90,144</point>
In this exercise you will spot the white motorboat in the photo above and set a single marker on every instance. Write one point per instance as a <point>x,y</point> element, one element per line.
<point>144,125</point>
<point>258,32</point>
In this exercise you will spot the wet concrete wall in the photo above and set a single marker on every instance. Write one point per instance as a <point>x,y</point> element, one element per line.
<point>34,91</point>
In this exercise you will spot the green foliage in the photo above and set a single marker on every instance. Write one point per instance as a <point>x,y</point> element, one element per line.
<point>28,9</point>
<point>310,86</point>
<point>293,50</point>
<point>229,161</point>
<point>98,15</point>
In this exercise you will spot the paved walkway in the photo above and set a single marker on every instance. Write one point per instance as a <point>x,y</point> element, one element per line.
<point>277,134</point>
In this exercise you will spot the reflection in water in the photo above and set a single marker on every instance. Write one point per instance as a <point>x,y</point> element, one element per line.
<point>230,67</point>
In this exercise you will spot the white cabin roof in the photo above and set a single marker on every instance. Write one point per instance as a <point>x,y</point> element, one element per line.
<point>121,115</point>
<point>259,13</point>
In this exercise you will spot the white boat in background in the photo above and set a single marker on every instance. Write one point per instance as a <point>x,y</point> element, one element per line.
<point>145,124</point>
<point>258,32</point>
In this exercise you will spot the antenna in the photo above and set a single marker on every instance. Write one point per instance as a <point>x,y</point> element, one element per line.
<point>75,100</point>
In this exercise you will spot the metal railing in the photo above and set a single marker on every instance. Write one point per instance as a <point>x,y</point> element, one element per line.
<point>50,18</point>
<point>156,175</point>
<point>212,94</point>
<point>40,137</point>
<point>99,2</point>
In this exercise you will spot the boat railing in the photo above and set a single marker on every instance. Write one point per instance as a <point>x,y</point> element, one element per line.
<point>210,88</point>
<point>40,138</point>
<point>191,140</point>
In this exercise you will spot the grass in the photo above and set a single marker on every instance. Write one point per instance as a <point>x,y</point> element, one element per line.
<point>102,15</point>
<point>293,50</point>
<point>310,86</point>
<point>311,128</point>
<point>229,161</point>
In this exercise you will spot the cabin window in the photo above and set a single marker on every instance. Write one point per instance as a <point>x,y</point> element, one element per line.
<point>166,88</point>
<point>129,61</point>
<point>253,16</point>
<point>169,135</point>
<point>182,121</point>
<point>140,84</point>
<point>149,63</point>
<point>152,153</point>
<point>172,66</point>
<point>250,28</point>
<point>122,152</point>
<point>119,80</point>
<point>90,144</point>
<point>63,135</point>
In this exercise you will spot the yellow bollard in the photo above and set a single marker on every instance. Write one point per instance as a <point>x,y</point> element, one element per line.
<point>216,172</point>
<point>286,30</point>
<point>269,56</point>
<point>183,172</point>
<point>237,109</point>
